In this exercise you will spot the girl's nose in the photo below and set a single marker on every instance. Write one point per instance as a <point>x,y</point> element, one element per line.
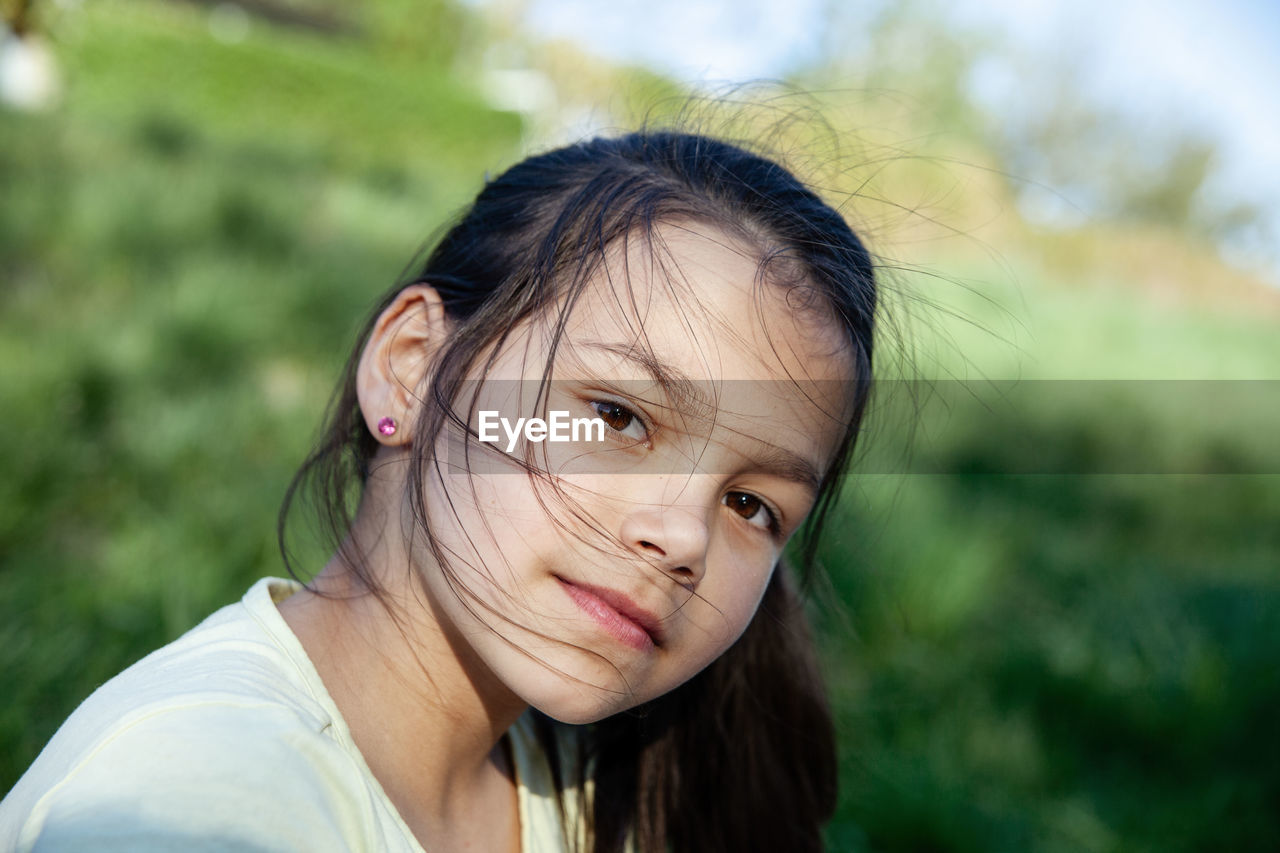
<point>670,537</point>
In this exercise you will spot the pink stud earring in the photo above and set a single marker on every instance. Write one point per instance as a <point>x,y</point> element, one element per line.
<point>387,426</point>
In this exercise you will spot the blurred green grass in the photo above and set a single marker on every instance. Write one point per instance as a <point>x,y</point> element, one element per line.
<point>1020,662</point>
<point>1045,662</point>
<point>187,246</point>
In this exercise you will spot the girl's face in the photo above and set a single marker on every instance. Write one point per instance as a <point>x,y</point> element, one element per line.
<point>633,556</point>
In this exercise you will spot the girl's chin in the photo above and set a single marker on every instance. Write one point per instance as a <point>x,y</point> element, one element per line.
<point>578,702</point>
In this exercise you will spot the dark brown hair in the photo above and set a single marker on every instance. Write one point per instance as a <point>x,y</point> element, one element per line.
<point>743,755</point>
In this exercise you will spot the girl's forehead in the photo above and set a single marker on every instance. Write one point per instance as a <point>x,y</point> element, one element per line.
<point>694,297</point>
<point>685,327</point>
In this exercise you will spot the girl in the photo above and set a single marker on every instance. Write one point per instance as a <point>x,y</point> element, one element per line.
<point>560,474</point>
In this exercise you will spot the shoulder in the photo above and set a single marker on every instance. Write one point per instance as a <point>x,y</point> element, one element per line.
<point>222,737</point>
<point>241,775</point>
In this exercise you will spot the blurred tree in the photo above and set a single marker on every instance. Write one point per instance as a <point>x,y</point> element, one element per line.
<point>17,16</point>
<point>1069,156</point>
<point>906,49</point>
<point>432,32</point>
<point>305,14</point>
<point>1170,196</point>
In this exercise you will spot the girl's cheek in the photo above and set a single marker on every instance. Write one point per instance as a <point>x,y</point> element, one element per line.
<point>733,593</point>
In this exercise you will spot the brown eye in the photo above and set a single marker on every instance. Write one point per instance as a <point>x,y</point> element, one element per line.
<point>752,509</point>
<point>614,416</point>
<point>743,504</point>
<point>619,418</point>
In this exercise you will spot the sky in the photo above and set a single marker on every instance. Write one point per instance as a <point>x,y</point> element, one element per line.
<point>1213,65</point>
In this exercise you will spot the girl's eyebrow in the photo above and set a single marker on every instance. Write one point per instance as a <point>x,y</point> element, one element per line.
<point>690,397</point>
<point>789,465</point>
<point>686,394</point>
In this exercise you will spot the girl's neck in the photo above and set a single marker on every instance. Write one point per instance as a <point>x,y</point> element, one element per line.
<point>427,716</point>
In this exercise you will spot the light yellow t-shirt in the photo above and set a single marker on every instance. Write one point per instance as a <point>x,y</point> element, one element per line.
<point>226,739</point>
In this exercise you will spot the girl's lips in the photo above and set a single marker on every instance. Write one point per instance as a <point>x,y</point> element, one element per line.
<point>620,617</point>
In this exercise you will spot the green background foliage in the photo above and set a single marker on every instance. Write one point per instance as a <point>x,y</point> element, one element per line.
<point>1042,652</point>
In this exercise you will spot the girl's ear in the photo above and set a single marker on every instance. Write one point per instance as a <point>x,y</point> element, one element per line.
<point>397,360</point>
